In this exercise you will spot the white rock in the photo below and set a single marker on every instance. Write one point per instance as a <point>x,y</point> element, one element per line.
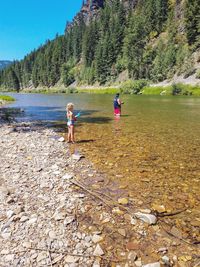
<point>9,257</point>
<point>52,234</point>
<point>68,176</point>
<point>97,238</point>
<point>98,251</point>
<point>24,219</point>
<point>71,259</point>
<point>68,220</point>
<point>10,213</point>
<point>61,139</point>
<point>132,256</point>
<point>148,218</point>
<point>166,260</point>
<point>32,221</point>
<point>155,264</point>
<point>41,256</point>
<point>58,216</point>
<point>6,235</point>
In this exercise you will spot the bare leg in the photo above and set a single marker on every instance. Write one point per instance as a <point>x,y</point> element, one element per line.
<point>72,133</point>
<point>69,134</point>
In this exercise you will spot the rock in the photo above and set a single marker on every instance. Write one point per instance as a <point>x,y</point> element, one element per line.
<point>132,246</point>
<point>159,208</point>
<point>148,211</point>
<point>9,257</point>
<point>61,139</point>
<point>132,256</point>
<point>176,232</point>
<point>32,221</point>
<point>9,200</point>
<point>166,260</point>
<point>96,264</point>
<point>52,234</point>
<point>138,263</point>
<point>58,216</point>
<point>122,232</point>
<point>24,219</point>
<point>77,157</point>
<point>10,213</point>
<point>68,220</point>
<point>68,176</point>
<point>6,235</point>
<point>41,256</point>
<point>148,218</point>
<point>164,250</point>
<point>71,259</point>
<point>116,210</point>
<point>98,251</point>
<point>97,239</point>
<point>123,201</point>
<point>155,264</point>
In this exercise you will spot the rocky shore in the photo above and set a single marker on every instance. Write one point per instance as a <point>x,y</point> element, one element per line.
<point>49,218</point>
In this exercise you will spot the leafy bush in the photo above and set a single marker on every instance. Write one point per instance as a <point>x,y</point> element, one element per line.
<point>133,87</point>
<point>6,98</point>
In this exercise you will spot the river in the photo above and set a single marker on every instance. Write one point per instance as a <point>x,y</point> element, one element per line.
<point>150,155</point>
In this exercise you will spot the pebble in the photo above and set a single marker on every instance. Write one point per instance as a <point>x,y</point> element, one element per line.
<point>71,259</point>
<point>155,264</point>
<point>98,251</point>
<point>97,238</point>
<point>148,218</point>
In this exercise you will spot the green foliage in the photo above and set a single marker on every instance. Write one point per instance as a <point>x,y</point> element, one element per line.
<point>6,98</point>
<point>68,74</point>
<point>198,74</point>
<point>133,87</point>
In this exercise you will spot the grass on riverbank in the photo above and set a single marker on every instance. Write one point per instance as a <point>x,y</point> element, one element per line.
<point>174,89</point>
<point>6,98</point>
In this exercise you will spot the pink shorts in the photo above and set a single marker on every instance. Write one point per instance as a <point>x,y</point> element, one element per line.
<point>117,111</point>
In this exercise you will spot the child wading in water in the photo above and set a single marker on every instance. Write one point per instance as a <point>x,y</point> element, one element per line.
<point>117,105</point>
<point>71,121</point>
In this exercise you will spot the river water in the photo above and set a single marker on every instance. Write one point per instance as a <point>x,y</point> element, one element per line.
<point>150,155</point>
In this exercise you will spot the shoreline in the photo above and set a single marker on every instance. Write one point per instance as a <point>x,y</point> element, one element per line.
<point>154,89</point>
<point>48,208</point>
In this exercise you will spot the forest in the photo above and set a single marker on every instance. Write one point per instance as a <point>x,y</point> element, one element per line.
<point>153,40</point>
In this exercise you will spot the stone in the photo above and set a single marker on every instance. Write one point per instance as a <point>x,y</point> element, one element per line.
<point>68,220</point>
<point>32,221</point>
<point>52,234</point>
<point>97,238</point>
<point>24,219</point>
<point>155,264</point>
<point>132,256</point>
<point>175,231</point>
<point>10,213</point>
<point>122,232</point>
<point>68,176</point>
<point>162,250</point>
<point>132,246</point>
<point>123,201</point>
<point>148,218</point>
<point>166,260</point>
<point>41,256</point>
<point>61,139</point>
<point>9,257</point>
<point>138,263</point>
<point>159,208</point>
<point>6,235</point>
<point>98,251</point>
<point>58,216</point>
<point>116,210</point>
<point>71,259</point>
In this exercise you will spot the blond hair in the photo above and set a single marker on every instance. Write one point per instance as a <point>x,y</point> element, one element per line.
<point>70,106</point>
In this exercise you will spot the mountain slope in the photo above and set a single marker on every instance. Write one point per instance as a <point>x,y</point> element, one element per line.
<point>4,63</point>
<point>107,40</point>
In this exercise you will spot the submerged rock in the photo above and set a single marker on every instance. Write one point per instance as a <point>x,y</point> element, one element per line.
<point>148,218</point>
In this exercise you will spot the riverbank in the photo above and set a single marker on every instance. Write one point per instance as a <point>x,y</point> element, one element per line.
<point>124,88</point>
<point>52,216</point>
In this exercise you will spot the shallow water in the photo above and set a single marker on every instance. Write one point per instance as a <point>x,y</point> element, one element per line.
<point>152,151</point>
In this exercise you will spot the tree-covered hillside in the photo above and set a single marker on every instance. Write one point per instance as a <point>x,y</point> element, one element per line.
<point>143,39</point>
<point>4,64</point>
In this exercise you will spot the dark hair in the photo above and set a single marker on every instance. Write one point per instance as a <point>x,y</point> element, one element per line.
<point>117,95</point>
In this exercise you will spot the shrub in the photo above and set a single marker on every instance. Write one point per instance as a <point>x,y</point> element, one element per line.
<point>133,87</point>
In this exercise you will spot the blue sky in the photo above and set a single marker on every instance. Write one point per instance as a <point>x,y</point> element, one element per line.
<point>26,24</point>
